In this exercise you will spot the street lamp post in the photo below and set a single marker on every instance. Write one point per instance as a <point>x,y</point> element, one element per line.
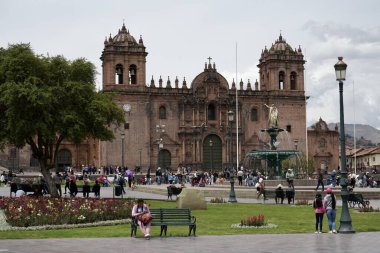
<point>122,149</point>
<point>210,143</point>
<point>160,129</point>
<point>140,157</point>
<point>232,197</point>
<point>345,219</point>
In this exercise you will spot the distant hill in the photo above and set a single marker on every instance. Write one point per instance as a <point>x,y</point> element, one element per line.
<point>366,132</point>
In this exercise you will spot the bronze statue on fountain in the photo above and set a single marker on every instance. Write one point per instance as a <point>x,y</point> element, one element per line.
<point>274,157</point>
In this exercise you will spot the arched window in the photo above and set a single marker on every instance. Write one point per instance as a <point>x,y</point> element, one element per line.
<point>211,112</point>
<point>322,143</point>
<point>254,114</point>
<point>293,80</point>
<point>162,112</point>
<point>133,74</point>
<point>119,74</point>
<point>281,80</point>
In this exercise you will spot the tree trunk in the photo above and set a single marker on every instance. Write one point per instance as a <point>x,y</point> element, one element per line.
<point>49,180</point>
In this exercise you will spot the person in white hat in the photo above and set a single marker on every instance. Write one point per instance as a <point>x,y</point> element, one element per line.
<point>279,194</point>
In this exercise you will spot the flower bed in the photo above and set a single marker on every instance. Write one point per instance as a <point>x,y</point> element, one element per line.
<point>27,211</point>
<point>255,221</point>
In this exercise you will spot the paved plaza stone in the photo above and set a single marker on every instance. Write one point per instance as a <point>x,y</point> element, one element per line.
<point>358,242</point>
<point>345,243</point>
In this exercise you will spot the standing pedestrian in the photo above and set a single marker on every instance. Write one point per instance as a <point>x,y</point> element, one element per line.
<point>240,175</point>
<point>158,176</point>
<point>86,186</point>
<point>73,185</point>
<point>330,205</point>
<point>96,189</point>
<point>130,177</point>
<point>290,178</point>
<point>57,181</point>
<point>319,211</point>
<point>320,180</point>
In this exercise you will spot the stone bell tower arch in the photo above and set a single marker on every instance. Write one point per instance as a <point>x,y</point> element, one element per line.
<point>281,67</point>
<point>123,61</point>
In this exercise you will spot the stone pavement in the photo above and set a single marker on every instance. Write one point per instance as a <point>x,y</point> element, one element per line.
<point>338,243</point>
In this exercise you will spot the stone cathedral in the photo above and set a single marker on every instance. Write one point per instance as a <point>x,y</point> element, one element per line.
<point>175,122</point>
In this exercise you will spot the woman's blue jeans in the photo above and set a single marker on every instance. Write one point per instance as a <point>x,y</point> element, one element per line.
<point>331,214</point>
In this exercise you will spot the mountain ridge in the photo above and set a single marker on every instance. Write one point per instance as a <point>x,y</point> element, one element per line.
<point>363,131</point>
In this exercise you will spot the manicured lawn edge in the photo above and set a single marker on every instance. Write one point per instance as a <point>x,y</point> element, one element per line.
<point>217,220</point>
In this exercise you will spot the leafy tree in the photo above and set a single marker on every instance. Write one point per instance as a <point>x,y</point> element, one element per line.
<point>46,100</point>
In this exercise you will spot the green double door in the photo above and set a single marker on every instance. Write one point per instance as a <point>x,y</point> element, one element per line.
<point>164,159</point>
<point>64,159</point>
<point>212,153</point>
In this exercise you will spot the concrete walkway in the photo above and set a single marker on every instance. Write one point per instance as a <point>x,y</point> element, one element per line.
<point>338,243</point>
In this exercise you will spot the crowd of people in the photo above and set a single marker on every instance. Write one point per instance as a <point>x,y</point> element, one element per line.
<point>363,179</point>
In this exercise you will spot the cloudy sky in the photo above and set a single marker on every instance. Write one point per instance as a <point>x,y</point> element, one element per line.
<point>180,35</point>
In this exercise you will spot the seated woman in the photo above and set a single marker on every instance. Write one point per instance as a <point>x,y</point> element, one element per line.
<point>138,211</point>
<point>260,188</point>
<point>290,194</point>
<point>279,194</point>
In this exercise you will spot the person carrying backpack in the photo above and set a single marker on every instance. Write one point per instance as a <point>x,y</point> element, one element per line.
<point>330,205</point>
<point>319,211</point>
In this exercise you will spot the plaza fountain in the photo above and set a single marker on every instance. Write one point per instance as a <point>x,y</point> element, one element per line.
<point>273,156</point>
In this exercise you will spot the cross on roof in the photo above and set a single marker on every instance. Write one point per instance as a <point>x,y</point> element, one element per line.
<point>209,60</point>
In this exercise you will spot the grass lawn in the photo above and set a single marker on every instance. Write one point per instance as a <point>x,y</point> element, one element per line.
<point>217,220</point>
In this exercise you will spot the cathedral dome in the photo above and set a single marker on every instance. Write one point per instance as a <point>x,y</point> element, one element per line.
<point>280,45</point>
<point>210,75</point>
<point>124,37</point>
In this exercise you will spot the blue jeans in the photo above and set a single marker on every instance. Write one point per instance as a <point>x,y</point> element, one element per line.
<point>158,180</point>
<point>320,182</point>
<point>331,214</point>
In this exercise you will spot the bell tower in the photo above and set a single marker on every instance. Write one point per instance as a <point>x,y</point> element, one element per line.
<point>123,61</point>
<point>281,67</point>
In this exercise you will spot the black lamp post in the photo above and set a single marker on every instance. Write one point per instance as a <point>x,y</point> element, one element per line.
<point>160,129</point>
<point>122,149</point>
<point>210,143</point>
<point>232,197</point>
<point>345,218</point>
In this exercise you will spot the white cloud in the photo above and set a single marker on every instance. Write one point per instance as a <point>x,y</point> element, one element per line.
<point>361,50</point>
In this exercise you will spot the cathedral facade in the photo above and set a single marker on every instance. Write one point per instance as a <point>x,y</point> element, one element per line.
<point>186,122</point>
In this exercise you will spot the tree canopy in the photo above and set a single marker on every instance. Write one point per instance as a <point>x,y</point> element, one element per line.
<point>45,100</point>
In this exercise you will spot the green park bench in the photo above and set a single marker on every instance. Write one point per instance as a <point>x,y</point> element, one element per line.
<point>165,217</point>
<point>357,199</point>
